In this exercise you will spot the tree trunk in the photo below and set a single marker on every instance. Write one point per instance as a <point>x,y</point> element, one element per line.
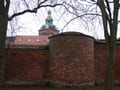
<point>3,29</point>
<point>109,78</point>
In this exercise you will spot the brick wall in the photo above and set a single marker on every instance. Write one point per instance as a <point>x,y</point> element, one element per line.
<point>117,64</point>
<point>101,59</point>
<point>71,58</point>
<point>26,65</point>
<point>100,56</point>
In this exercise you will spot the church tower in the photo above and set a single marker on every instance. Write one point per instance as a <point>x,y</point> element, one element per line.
<point>48,28</point>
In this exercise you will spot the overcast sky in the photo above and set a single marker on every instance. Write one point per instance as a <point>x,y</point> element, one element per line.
<point>29,24</point>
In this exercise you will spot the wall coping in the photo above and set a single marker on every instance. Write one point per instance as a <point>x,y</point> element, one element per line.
<point>42,47</point>
<point>104,42</point>
<point>71,34</point>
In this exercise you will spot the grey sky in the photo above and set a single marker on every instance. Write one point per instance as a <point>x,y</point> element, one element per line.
<point>29,24</point>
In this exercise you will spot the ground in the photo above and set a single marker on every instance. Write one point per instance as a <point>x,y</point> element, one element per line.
<point>52,88</point>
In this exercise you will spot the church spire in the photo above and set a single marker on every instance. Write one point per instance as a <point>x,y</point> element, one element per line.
<point>49,22</point>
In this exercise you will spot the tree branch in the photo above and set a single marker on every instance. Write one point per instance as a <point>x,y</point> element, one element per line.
<point>42,2</point>
<point>33,10</point>
<point>7,5</point>
<point>108,8</point>
<point>115,16</point>
<point>104,18</point>
<point>109,16</point>
<point>79,17</point>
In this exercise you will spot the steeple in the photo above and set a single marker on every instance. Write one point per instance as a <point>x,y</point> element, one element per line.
<point>49,22</point>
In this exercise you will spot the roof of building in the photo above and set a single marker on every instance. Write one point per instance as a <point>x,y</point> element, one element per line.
<point>31,40</point>
<point>10,39</point>
<point>49,23</point>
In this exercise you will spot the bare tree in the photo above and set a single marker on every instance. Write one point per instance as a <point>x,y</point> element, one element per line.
<point>87,10</point>
<point>108,11</point>
<point>22,6</point>
<point>110,24</point>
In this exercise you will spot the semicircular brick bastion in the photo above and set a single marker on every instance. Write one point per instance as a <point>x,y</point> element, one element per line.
<point>71,58</point>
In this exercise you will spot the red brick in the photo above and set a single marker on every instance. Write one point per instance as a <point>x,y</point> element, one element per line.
<point>71,59</point>
<point>25,65</point>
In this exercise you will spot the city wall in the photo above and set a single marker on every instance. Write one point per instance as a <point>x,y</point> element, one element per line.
<point>71,58</point>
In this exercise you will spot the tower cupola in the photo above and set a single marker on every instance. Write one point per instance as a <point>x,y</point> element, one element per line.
<point>49,19</point>
<point>49,22</point>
